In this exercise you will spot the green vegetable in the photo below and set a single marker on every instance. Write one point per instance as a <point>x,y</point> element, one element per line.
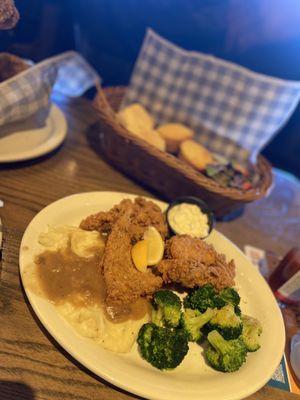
<point>226,322</point>
<point>192,321</point>
<point>230,296</point>
<point>166,309</point>
<point>237,310</point>
<point>225,355</point>
<point>251,332</point>
<point>203,298</point>
<point>164,348</point>
<point>213,169</point>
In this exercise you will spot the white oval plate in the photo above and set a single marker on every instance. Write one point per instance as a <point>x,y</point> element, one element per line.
<point>33,137</point>
<point>193,379</point>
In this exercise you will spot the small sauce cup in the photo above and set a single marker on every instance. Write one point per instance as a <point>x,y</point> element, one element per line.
<point>199,203</point>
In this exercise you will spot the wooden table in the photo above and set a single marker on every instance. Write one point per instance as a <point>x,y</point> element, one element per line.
<point>32,365</point>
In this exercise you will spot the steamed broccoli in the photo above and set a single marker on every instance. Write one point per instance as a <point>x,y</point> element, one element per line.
<point>237,310</point>
<point>230,296</point>
<point>166,308</point>
<point>203,298</point>
<point>252,329</point>
<point>226,322</point>
<point>164,348</point>
<point>192,321</point>
<point>225,355</point>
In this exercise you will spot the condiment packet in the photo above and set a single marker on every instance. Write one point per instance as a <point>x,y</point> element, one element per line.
<point>258,258</point>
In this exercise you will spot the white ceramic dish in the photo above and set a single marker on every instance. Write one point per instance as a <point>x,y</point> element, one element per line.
<point>33,137</point>
<point>193,379</point>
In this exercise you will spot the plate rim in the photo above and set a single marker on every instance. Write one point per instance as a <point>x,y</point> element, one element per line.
<point>105,375</point>
<point>57,138</point>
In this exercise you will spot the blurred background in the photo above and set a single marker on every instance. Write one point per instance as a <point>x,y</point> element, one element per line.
<point>263,35</point>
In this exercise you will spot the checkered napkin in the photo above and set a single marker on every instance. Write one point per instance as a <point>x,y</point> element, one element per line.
<point>234,111</point>
<point>29,92</point>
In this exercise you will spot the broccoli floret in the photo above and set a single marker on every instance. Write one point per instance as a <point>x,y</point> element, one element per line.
<point>166,308</point>
<point>192,321</point>
<point>251,332</point>
<point>226,322</point>
<point>225,355</point>
<point>164,348</point>
<point>203,298</point>
<point>230,296</point>
<point>237,310</point>
<point>207,297</point>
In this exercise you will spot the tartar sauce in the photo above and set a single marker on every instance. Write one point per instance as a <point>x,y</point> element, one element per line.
<point>186,218</point>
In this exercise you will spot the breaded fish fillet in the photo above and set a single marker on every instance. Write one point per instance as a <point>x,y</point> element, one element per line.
<point>192,262</point>
<point>126,223</point>
<point>143,214</point>
<point>124,283</point>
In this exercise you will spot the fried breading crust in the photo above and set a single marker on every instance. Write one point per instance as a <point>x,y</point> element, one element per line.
<point>143,214</point>
<point>192,262</point>
<point>124,283</point>
<point>104,220</point>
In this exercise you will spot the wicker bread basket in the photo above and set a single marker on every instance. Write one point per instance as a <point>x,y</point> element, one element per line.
<point>163,172</point>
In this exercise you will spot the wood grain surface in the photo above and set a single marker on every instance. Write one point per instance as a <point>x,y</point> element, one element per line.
<point>32,364</point>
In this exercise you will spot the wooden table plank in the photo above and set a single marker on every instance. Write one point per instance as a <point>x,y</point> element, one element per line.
<point>32,364</point>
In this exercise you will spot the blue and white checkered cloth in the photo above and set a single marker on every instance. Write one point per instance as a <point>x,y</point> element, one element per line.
<point>233,110</point>
<point>28,92</point>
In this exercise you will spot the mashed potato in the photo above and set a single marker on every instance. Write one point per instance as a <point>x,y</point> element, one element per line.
<point>91,322</point>
<point>88,320</point>
<point>82,243</point>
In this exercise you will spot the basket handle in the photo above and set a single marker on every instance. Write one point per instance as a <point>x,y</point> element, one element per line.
<point>100,102</point>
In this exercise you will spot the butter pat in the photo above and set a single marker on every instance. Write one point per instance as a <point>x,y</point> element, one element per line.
<point>186,218</point>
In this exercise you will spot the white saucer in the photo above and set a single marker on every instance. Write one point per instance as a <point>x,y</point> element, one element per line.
<point>33,137</point>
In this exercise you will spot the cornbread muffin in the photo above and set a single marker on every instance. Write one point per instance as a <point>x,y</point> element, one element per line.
<point>155,139</point>
<point>140,123</point>
<point>195,154</point>
<point>174,134</point>
<point>136,119</point>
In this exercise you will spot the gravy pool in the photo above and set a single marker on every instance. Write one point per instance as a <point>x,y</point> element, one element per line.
<point>65,277</point>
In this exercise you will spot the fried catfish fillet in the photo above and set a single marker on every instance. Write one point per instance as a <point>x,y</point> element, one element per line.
<point>191,262</point>
<point>124,283</point>
<point>143,214</point>
<point>125,224</point>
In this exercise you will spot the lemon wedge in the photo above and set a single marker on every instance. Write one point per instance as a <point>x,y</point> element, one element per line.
<point>139,254</point>
<point>155,245</point>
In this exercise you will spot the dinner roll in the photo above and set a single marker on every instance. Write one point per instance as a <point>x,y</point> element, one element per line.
<point>136,119</point>
<point>174,134</point>
<point>195,154</point>
<point>155,139</point>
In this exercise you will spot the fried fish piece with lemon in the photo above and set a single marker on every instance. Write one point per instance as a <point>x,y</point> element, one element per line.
<point>149,251</point>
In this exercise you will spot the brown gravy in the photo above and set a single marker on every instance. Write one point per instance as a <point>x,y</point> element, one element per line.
<point>65,277</point>
<point>134,311</point>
